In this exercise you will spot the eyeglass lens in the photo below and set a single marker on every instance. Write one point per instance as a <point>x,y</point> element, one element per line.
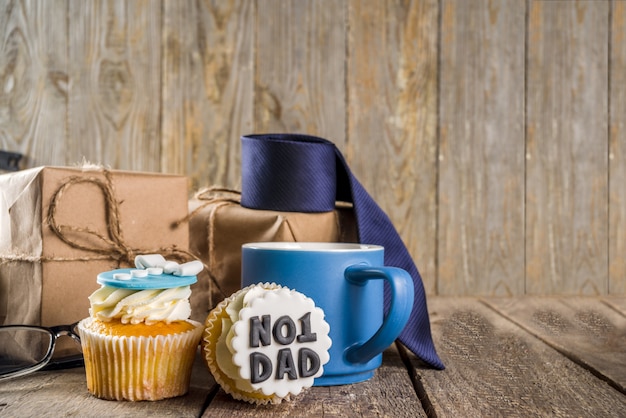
<point>22,348</point>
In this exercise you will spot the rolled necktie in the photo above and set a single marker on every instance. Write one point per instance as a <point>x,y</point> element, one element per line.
<point>302,173</point>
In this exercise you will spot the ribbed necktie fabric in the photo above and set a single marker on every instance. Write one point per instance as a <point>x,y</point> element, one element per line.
<point>302,173</point>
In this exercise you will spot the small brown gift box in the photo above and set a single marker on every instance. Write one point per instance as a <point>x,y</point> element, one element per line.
<point>219,226</point>
<point>61,226</point>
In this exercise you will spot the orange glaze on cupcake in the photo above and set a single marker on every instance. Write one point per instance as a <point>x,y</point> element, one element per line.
<point>116,328</point>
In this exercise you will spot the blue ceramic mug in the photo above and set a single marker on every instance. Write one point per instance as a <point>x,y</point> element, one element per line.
<point>346,281</point>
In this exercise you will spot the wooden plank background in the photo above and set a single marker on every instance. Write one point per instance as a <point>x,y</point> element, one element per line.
<point>491,131</point>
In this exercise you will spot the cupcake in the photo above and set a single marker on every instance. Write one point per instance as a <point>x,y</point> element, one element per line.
<point>266,343</point>
<point>138,342</point>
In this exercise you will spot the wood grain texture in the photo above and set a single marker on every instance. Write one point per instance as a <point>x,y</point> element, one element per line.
<point>115,71</point>
<point>617,303</point>
<point>503,356</point>
<point>584,330</point>
<point>208,89</point>
<point>491,132</point>
<point>481,149</point>
<point>617,151</point>
<point>392,117</point>
<point>494,368</point>
<point>300,68</point>
<point>388,394</point>
<point>567,148</point>
<point>33,80</point>
<point>64,393</point>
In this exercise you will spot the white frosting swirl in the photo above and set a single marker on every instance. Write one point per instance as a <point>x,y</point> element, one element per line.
<point>224,349</point>
<point>136,306</point>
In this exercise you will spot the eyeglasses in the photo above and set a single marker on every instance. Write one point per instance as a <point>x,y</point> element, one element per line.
<point>25,349</point>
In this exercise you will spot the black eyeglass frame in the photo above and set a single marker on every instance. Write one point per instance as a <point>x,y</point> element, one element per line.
<point>47,362</point>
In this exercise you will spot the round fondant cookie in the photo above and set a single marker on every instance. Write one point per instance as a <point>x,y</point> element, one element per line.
<point>266,343</point>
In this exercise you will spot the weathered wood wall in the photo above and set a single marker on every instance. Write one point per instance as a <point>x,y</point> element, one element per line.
<point>491,131</point>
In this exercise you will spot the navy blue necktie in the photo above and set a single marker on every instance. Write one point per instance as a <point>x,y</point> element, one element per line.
<point>301,173</point>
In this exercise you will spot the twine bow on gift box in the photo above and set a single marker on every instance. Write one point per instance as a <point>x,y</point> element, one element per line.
<point>114,246</point>
<point>210,196</point>
<point>217,197</point>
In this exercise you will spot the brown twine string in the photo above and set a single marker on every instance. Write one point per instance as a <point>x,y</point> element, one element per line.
<point>116,247</point>
<point>113,247</point>
<point>218,197</point>
<point>211,195</point>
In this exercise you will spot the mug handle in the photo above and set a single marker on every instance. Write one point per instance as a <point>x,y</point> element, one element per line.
<point>401,288</point>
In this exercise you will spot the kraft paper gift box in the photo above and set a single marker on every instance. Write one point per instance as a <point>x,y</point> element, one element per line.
<point>103,219</point>
<point>219,226</point>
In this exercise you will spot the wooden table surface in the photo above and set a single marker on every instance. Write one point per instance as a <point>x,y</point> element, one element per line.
<point>505,357</point>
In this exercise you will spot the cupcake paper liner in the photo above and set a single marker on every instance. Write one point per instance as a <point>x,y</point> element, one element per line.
<point>137,367</point>
<point>212,332</point>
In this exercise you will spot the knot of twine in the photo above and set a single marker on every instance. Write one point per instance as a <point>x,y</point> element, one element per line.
<point>216,197</point>
<point>113,246</point>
